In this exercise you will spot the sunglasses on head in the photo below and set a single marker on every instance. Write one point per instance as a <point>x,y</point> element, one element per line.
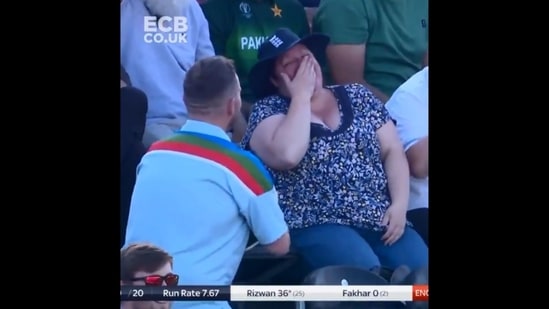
<point>157,280</point>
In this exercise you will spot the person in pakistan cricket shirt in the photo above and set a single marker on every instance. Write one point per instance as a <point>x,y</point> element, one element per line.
<point>238,27</point>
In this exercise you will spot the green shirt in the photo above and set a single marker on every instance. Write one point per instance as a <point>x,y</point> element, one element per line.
<point>395,33</point>
<point>238,27</point>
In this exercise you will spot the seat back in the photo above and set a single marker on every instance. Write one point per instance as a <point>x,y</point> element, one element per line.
<point>347,275</point>
<point>404,276</point>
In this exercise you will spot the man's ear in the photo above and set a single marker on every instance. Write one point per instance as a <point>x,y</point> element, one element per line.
<point>232,107</point>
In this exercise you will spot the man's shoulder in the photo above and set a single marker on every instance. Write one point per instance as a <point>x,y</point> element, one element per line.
<point>415,90</point>
<point>250,171</point>
<point>194,10</point>
<point>247,168</point>
<point>340,12</point>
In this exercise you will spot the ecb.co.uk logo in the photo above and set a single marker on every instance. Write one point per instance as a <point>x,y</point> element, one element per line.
<point>165,29</point>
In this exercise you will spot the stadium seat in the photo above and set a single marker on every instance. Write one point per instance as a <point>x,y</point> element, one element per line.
<point>345,275</point>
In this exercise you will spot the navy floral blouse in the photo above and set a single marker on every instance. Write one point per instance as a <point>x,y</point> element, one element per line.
<point>341,178</point>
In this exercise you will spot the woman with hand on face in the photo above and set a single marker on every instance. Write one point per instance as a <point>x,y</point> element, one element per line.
<point>338,164</point>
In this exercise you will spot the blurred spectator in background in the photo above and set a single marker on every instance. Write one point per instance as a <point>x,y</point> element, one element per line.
<point>377,43</point>
<point>146,265</point>
<point>310,3</point>
<point>160,40</point>
<point>124,78</point>
<point>197,194</point>
<point>238,27</point>
<point>311,7</point>
<point>409,107</point>
<point>337,161</point>
<point>133,108</point>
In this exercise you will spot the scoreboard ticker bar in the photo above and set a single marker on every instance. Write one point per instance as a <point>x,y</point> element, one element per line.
<point>277,293</point>
<point>175,293</point>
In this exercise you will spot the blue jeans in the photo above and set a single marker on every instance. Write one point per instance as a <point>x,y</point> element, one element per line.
<point>333,244</point>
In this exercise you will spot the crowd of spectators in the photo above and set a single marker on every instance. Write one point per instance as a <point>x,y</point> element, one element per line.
<point>301,124</point>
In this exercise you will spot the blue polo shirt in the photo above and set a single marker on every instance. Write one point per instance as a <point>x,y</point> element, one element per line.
<point>197,195</point>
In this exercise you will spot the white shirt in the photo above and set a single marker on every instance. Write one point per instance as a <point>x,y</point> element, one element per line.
<point>409,107</point>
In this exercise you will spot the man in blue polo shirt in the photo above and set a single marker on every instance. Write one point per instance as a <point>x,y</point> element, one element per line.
<point>197,194</point>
